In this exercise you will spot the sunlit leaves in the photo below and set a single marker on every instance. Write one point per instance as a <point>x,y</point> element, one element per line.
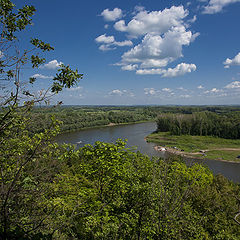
<point>41,45</point>
<point>65,78</point>
<point>36,61</point>
<point>14,22</point>
<point>196,174</point>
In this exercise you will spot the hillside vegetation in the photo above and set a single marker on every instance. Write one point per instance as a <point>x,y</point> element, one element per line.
<point>205,134</point>
<point>224,125</point>
<point>79,117</point>
<point>100,191</point>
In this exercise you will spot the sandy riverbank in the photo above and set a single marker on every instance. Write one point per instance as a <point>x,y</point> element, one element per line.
<point>196,155</point>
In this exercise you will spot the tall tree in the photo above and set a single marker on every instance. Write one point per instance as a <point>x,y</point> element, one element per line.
<point>25,165</point>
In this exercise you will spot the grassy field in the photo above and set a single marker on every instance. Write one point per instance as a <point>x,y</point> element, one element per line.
<point>216,148</point>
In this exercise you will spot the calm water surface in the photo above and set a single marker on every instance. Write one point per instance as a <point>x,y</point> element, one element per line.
<point>135,133</point>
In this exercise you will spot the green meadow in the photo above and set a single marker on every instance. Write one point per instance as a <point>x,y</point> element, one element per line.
<point>216,148</point>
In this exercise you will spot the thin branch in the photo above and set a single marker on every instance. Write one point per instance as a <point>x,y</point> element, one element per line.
<point>236,218</point>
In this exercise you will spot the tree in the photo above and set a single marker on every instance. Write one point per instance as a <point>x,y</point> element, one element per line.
<point>25,160</point>
<point>104,191</point>
<point>120,194</point>
<point>13,58</point>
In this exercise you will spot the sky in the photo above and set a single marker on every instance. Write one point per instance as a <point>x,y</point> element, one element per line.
<point>141,52</point>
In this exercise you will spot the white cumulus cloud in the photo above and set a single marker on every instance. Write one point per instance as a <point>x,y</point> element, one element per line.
<point>166,90</point>
<point>137,9</point>
<point>230,62</point>
<point>194,19</point>
<point>109,41</point>
<point>129,67</point>
<point>215,6</point>
<point>150,71</point>
<point>41,76</point>
<point>155,63</point>
<point>179,70</point>
<point>160,36</point>
<point>111,15</point>
<point>150,91</point>
<point>52,64</point>
<point>213,91</point>
<point>74,89</point>
<point>118,92</point>
<point>105,39</point>
<point>233,85</point>
<point>104,47</point>
<point>159,50</point>
<point>156,22</point>
<point>123,43</point>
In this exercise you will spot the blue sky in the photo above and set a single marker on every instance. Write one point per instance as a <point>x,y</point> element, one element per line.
<point>142,52</point>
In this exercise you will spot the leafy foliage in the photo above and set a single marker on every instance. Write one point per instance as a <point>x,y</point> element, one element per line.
<point>74,118</point>
<point>12,58</point>
<point>116,193</point>
<point>65,78</point>
<point>104,191</point>
<point>202,124</point>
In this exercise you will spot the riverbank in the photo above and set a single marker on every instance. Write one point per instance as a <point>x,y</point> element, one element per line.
<point>104,126</point>
<point>135,133</point>
<point>197,147</point>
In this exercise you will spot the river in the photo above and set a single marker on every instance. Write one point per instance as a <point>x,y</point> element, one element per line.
<point>135,134</point>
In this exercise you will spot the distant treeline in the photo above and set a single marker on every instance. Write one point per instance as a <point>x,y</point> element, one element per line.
<point>74,118</point>
<point>78,117</point>
<point>201,124</point>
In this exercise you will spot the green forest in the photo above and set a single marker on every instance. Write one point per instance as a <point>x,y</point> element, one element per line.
<point>79,117</point>
<point>100,191</point>
<point>224,125</point>
<point>205,134</point>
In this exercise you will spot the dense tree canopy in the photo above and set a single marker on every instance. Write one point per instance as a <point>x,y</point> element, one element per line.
<point>104,191</point>
<point>202,124</point>
<point>24,160</point>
